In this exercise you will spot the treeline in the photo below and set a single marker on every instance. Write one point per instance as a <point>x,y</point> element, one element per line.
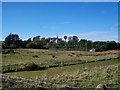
<point>69,43</point>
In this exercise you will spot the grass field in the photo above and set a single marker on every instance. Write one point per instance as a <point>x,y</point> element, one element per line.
<point>61,70</point>
<point>26,55</point>
<point>86,75</point>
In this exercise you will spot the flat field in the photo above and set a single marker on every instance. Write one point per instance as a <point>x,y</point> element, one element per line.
<point>43,56</point>
<point>103,69</point>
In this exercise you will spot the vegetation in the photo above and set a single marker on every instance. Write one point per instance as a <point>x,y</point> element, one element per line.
<point>38,68</point>
<point>87,75</point>
<point>73,43</point>
<point>53,63</point>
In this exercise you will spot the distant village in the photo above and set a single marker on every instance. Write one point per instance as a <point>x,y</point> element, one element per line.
<point>15,37</point>
<point>69,43</point>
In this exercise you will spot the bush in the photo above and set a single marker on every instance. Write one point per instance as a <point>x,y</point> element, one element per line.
<point>8,51</point>
<point>31,66</point>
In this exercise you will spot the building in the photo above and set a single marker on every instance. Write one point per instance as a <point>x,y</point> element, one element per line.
<point>92,50</point>
<point>55,40</point>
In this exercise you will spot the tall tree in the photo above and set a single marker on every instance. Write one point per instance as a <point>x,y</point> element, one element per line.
<point>37,38</point>
<point>75,39</point>
<point>65,37</point>
<point>89,44</point>
<point>12,37</point>
<point>82,44</point>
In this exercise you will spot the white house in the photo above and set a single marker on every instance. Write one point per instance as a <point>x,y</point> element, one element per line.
<point>92,50</point>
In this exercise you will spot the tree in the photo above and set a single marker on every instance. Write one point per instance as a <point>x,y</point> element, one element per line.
<point>75,39</point>
<point>29,40</point>
<point>65,37</point>
<point>111,45</point>
<point>118,46</point>
<point>89,44</point>
<point>82,44</point>
<point>100,45</point>
<point>57,46</point>
<point>19,44</point>
<point>13,41</point>
<point>12,37</point>
<point>37,38</point>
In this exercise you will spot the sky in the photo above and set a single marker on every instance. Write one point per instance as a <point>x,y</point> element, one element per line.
<point>96,21</point>
<point>60,0</point>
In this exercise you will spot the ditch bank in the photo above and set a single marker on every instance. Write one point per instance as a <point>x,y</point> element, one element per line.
<point>33,66</point>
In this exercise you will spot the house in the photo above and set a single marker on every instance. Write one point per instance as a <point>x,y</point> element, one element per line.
<point>55,39</point>
<point>92,50</point>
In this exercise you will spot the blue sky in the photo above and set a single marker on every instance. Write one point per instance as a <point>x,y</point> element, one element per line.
<point>89,20</point>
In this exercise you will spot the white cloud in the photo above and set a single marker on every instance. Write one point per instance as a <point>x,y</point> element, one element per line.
<point>102,36</point>
<point>95,36</point>
<point>106,35</point>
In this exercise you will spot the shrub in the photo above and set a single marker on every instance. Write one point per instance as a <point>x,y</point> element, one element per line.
<point>53,56</point>
<point>35,56</point>
<point>8,51</point>
<point>30,66</point>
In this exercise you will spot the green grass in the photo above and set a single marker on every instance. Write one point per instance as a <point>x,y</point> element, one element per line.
<point>60,70</point>
<point>84,75</point>
<point>81,75</point>
<point>45,59</point>
<point>26,55</point>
